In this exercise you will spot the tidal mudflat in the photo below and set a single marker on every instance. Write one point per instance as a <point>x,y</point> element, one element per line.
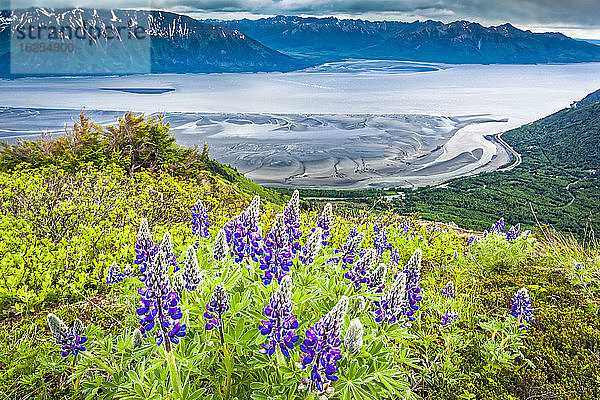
<point>348,125</point>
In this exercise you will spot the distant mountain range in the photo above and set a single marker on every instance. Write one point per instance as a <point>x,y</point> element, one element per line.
<point>172,43</point>
<point>176,43</point>
<point>458,42</point>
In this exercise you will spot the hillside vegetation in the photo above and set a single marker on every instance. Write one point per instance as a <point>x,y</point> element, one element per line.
<point>150,275</point>
<point>556,184</point>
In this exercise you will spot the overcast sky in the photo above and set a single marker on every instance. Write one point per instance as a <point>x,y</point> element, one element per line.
<point>577,18</point>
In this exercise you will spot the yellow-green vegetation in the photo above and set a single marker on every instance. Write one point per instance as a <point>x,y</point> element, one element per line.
<point>62,228</point>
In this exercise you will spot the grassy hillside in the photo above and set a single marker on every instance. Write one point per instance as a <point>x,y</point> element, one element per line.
<point>73,210</point>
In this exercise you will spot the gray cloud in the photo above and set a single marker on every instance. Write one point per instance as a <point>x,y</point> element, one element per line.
<point>581,13</point>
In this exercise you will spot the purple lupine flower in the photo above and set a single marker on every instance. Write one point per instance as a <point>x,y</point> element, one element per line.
<point>191,270</point>
<point>498,227</point>
<point>393,305</point>
<point>166,246</point>
<point>380,241</point>
<point>413,278</point>
<point>359,271</point>
<point>291,217</point>
<point>521,308</point>
<point>350,249</point>
<point>324,222</point>
<point>280,329</point>
<point>376,279</point>
<point>513,232</point>
<point>114,275</point>
<point>448,290</point>
<point>394,259</point>
<point>160,305</point>
<point>311,248</point>
<point>472,240</point>
<point>321,347</point>
<point>277,255</point>
<point>71,340</point>
<point>448,318</point>
<point>145,249</point>
<point>216,307</point>
<point>246,233</point>
<point>199,222</point>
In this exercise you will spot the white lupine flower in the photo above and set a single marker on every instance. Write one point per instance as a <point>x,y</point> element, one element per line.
<point>220,246</point>
<point>294,205</point>
<point>312,247</point>
<point>78,327</point>
<point>413,268</point>
<point>58,328</point>
<point>358,305</point>
<point>166,245</point>
<point>178,283</point>
<point>191,269</point>
<point>144,230</point>
<point>354,336</point>
<point>376,279</point>
<point>137,339</point>
<point>278,232</point>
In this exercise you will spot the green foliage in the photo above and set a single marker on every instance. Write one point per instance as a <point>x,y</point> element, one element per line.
<point>134,144</point>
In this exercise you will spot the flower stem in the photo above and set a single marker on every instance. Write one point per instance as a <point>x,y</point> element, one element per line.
<point>175,382</point>
<point>102,365</point>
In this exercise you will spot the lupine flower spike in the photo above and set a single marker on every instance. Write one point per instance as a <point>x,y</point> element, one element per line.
<point>413,277</point>
<point>178,283</point>
<point>394,259</point>
<point>71,340</point>
<point>78,327</point>
<point>145,249</point>
<point>137,339</point>
<point>128,271</point>
<point>114,275</point>
<point>448,290</point>
<point>380,242</point>
<point>498,227</point>
<point>244,233</point>
<point>218,305</point>
<point>291,217</point>
<point>311,248</point>
<point>199,222</point>
<point>513,232</point>
<point>324,222</point>
<point>220,246</point>
<point>449,318</point>
<point>280,329</point>
<point>354,337</point>
<point>361,269</point>
<point>277,253</point>
<point>191,271</point>
<point>521,309</point>
<point>321,346</point>
<point>158,302</point>
<point>166,246</point>
<point>358,305</point>
<point>353,242</point>
<point>376,279</point>
<point>393,305</point>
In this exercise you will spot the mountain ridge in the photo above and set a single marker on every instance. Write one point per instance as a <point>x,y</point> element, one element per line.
<point>434,41</point>
<point>176,44</point>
